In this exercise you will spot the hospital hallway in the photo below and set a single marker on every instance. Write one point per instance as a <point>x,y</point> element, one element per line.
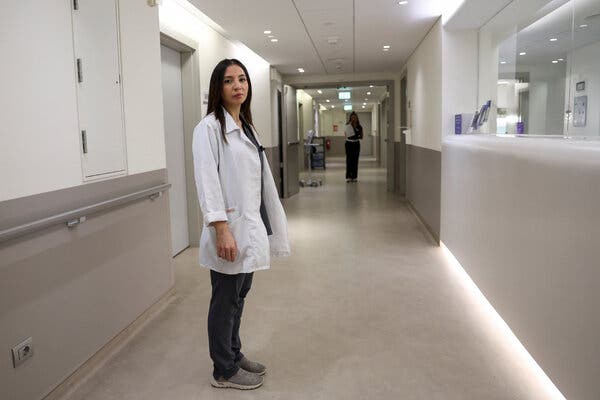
<point>367,307</point>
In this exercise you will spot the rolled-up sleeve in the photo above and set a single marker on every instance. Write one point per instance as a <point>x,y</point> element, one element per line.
<point>205,150</point>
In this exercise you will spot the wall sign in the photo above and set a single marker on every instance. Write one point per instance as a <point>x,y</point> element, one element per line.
<point>579,111</point>
<point>580,86</point>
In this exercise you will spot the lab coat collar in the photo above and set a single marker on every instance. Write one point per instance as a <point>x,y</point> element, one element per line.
<point>230,124</point>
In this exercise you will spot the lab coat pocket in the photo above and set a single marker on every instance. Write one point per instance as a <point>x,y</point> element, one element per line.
<point>239,229</point>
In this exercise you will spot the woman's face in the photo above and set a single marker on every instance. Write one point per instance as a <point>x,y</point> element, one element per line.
<point>353,119</point>
<point>235,86</point>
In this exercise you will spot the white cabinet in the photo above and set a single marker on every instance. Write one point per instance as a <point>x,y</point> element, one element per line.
<point>100,106</point>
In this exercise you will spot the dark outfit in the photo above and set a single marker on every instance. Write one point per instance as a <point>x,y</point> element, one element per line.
<point>353,153</point>
<point>227,301</point>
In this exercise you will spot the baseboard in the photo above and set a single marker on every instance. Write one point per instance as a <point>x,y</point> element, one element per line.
<point>102,356</point>
<point>430,231</point>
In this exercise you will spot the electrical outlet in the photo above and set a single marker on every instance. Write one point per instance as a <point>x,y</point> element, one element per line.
<point>22,352</point>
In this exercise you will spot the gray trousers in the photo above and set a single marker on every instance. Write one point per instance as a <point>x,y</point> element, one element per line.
<point>224,317</point>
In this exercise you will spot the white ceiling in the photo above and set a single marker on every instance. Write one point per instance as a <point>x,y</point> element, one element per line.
<point>303,27</point>
<point>555,20</point>
<point>359,96</point>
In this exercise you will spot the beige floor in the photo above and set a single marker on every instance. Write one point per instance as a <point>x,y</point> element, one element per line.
<point>366,308</point>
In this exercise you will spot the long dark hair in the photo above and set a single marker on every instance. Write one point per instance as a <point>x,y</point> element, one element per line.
<point>350,118</point>
<point>215,92</point>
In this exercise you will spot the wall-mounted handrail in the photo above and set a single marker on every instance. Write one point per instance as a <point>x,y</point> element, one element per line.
<point>77,216</point>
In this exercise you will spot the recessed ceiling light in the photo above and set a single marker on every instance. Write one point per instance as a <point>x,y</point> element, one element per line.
<point>387,46</point>
<point>328,100</point>
<point>368,93</point>
<point>554,61</point>
<point>271,36</point>
<point>363,106</point>
<point>320,91</point>
<point>583,26</point>
<point>502,83</point>
<point>522,53</point>
<point>267,32</point>
<point>274,40</point>
<point>301,70</point>
<point>386,49</point>
<point>553,39</point>
<point>403,2</point>
<point>370,86</point>
<point>561,59</point>
<point>332,106</point>
<point>502,62</point>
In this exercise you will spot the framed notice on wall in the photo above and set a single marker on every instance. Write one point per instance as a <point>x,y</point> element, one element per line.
<point>335,128</point>
<point>579,111</point>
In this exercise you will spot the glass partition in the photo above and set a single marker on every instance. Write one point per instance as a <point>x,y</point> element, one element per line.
<point>539,64</point>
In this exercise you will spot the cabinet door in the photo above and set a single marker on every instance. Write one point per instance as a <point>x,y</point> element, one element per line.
<point>96,45</point>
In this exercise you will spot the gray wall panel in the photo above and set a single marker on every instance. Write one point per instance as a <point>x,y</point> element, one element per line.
<point>73,290</point>
<point>423,184</point>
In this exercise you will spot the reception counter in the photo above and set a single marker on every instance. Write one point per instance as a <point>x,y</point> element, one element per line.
<point>522,216</point>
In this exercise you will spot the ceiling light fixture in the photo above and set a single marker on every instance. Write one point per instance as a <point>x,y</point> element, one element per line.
<point>403,2</point>
<point>387,46</point>
<point>522,53</point>
<point>561,59</point>
<point>301,70</point>
<point>274,40</point>
<point>554,61</point>
<point>267,32</point>
<point>583,26</point>
<point>370,86</point>
<point>363,106</point>
<point>502,62</point>
<point>320,91</point>
<point>368,93</point>
<point>328,100</point>
<point>332,106</point>
<point>553,39</point>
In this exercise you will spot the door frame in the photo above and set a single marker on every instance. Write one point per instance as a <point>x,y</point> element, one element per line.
<point>389,132</point>
<point>192,114</point>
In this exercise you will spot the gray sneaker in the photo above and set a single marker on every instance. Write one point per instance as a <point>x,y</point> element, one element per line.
<point>242,380</point>
<point>252,366</point>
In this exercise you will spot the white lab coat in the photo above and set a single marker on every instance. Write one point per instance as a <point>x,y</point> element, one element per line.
<point>228,184</point>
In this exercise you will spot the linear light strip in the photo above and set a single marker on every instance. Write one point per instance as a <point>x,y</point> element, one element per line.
<point>501,326</point>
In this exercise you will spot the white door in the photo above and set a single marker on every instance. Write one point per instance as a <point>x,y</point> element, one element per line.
<point>174,144</point>
<point>96,46</point>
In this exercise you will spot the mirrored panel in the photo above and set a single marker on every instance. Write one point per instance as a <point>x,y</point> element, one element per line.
<point>540,67</point>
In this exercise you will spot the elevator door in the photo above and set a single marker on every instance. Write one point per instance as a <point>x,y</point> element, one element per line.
<point>174,145</point>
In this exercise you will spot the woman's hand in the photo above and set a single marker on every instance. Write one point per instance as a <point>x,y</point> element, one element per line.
<point>226,246</point>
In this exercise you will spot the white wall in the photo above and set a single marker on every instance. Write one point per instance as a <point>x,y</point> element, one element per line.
<point>39,140</point>
<point>459,82</point>
<point>308,115</point>
<point>424,93</point>
<point>329,118</point>
<point>585,64</point>
<point>179,18</point>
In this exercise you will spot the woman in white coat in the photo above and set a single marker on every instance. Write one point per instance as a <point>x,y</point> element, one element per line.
<point>244,222</point>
